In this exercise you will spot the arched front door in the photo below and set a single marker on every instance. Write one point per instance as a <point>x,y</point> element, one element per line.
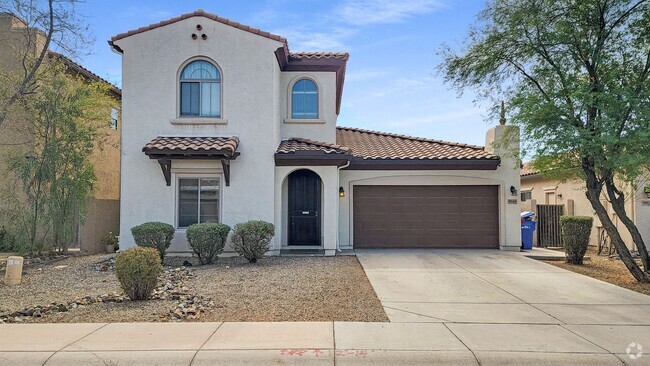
<point>304,208</point>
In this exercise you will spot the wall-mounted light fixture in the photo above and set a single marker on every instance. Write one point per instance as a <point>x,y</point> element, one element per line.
<point>513,190</point>
<point>341,192</point>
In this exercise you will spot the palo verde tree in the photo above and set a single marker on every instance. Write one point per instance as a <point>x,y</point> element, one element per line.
<point>55,172</point>
<point>576,78</point>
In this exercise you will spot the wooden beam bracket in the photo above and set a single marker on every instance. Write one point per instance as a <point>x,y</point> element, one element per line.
<point>166,166</point>
<point>225,164</point>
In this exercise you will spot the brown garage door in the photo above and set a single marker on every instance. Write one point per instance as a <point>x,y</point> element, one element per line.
<point>426,217</point>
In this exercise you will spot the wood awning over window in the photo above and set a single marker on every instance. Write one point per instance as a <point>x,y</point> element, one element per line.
<point>166,149</point>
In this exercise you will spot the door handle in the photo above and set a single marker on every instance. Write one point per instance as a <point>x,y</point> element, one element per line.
<point>305,212</point>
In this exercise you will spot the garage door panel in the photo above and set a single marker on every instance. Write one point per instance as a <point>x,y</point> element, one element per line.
<point>425,216</point>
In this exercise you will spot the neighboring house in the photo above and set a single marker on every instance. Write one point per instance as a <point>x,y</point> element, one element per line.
<point>223,124</point>
<point>571,194</point>
<point>103,213</point>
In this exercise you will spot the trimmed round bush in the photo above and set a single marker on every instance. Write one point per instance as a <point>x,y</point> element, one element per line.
<point>157,235</point>
<point>575,237</point>
<point>252,239</point>
<point>207,240</point>
<point>138,269</point>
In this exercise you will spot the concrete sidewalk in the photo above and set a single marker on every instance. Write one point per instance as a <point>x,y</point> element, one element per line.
<point>323,343</point>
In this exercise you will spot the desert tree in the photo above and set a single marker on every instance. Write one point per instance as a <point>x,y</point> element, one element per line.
<point>55,172</point>
<point>45,25</point>
<point>575,75</point>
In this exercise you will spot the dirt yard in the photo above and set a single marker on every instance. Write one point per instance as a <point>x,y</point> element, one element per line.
<point>606,269</point>
<point>274,289</point>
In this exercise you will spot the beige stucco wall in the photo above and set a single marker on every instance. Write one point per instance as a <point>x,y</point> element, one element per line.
<point>103,216</point>
<point>563,192</point>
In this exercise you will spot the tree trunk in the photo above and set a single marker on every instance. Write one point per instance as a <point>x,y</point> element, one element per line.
<point>594,190</point>
<point>618,204</point>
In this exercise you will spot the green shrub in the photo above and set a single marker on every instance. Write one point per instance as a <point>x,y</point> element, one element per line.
<point>207,240</point>
<point>157,235</point>
<point>252,239</point>
<point>138,269</point>
<point>7,241</point>
<point>575,237</point>
<point>111,239</point>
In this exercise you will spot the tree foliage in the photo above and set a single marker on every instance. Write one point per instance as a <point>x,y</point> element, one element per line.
<point>576,78</point>
<point>55,175</point>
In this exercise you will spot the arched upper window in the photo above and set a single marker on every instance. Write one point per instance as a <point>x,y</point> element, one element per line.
<point>304,100</point>
<point>200,90</point>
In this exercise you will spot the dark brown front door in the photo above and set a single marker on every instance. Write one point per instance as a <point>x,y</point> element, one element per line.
<point>426,217</point>
<point>304,208</point>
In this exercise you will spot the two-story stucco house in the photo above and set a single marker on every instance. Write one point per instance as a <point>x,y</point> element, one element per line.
<point>222,123</point>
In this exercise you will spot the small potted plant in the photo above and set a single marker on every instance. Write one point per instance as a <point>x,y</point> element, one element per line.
<point>111,242</point>
<point>646,190</point>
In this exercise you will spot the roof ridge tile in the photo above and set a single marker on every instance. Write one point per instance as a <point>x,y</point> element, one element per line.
<point>203,13</point>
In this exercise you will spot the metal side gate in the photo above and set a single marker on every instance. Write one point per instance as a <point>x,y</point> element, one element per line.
<point>548,225</point>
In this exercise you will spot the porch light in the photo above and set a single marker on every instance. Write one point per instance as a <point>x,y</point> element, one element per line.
<point>341,192</point>
<point>513,190</point>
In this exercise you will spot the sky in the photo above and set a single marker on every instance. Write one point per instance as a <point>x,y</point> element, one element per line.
<point>392,82</point>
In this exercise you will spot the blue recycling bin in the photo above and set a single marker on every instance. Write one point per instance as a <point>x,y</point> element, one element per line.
<point>527,230</point>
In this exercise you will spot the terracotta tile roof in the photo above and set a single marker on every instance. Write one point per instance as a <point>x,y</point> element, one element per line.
<point>374,145</point>
<point>296,145</point>
<point>344,56</point>
<point>159,145</point>
<point>527,170</point>
<point>201,13</point>
<point>77,68</point>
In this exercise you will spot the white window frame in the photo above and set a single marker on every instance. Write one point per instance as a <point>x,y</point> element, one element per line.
<point>178,177</point>
<point>115,118</point>
<point>289,118</point>
<point>526,192</point>
<point>198,120</point>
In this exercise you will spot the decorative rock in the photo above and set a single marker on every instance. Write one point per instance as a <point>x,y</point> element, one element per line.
<point>171,287</point>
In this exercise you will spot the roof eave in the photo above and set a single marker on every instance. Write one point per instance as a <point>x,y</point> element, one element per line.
<point>358,163</point>
<point>311,159</point>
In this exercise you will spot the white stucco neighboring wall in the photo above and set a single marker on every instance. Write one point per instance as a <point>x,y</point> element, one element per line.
<point>151,64</point>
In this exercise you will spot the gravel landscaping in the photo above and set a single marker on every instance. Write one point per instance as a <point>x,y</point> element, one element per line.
<point>274,289</point>
<point>606,269</point>
<point>290,289</point>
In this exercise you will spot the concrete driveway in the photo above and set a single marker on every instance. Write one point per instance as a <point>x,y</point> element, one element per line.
<point>501,303</point>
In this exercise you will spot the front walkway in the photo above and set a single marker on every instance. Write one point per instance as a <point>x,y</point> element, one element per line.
<point>445,306</point>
